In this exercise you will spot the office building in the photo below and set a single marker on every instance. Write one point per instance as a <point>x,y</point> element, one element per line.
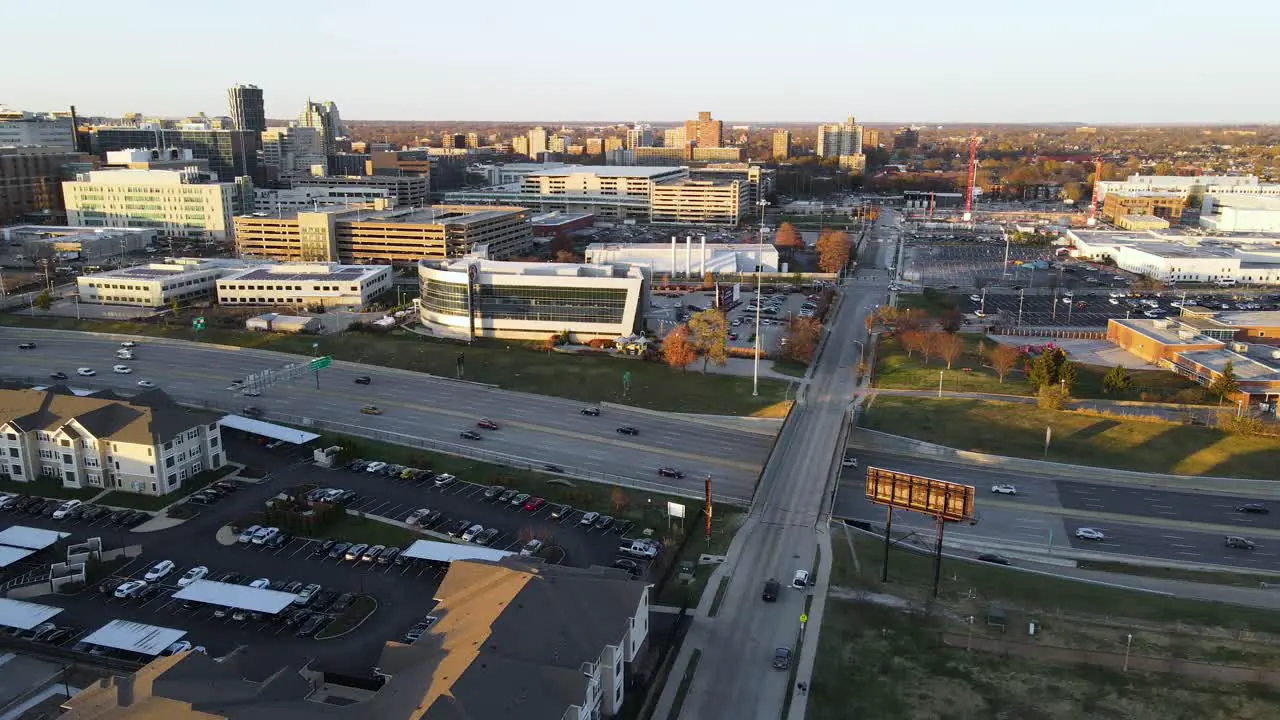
<point>704,131</point>
<point>155,285</point>
<point>398,237</point>
<point>717,154</point>
<point>178,203</point>
<point>529,300</point>
<point>687,257</point>
<point>18,129</point>
<point>507,173</point>
<point>31,182</point>
<point>1170,256</point>
<point>537,143</point>
<point>676,137</point>
<point>305,285</point>
<point>1189,186</point>
<point>453,140</point>
<point>520,145</point>
<point>837,139</point>
<point>701,202</point>
<point>1240,213</point>
<point>231,153</point>
<point>292,151</point>
<point>612,143</point>
<point>408,190</point>
<point>346,164</point>
<point>1164,205</point>
<point>273,200</point>
<point>594,146</point>
<point>247,109</point>
<point>146,444</point>
<point>559,144</point>
<point>323,117</point>
<point>870,139</point>
<point>651,156</point>
<point>473,140</point>
<point>639,136</point>
<point>760,181</point>
<point>906,138</point>
<point>155,159</point>
<point>402,162</point>
<point>91,246</point>
<point>781,144</point>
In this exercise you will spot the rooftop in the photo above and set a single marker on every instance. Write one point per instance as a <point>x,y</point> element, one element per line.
<point>633,171</point>
<point>432,215</point>
<point>309,271</point>
<point>1246,368</point>
<point>145,418</point>
<point>152,271</point>
<point>544,269</point>
<point>1166,332</point>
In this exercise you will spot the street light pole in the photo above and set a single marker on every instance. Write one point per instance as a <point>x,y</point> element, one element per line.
<point>940,383</point>
<point>755,371</point>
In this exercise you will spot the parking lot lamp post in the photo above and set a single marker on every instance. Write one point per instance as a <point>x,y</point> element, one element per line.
<point>755,370</point>
<point>1020,296</point>
<point>940,382</point>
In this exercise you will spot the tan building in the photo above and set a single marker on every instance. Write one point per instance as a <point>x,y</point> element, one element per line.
<point>409,190</point>
<point>1165,205</point>
<point>399,162</point>
<point>1158,341</point>
<point>870,139</point>
<point>177,203</point>
<point>704,131</point>
<point>1141,222</point>
<point>401,237</point>
<point>612,143</point>
<point>718,154</point>
<point>31,182</point>
<point>781,144</point>
<point>708,202</point>
<point>595,146</point>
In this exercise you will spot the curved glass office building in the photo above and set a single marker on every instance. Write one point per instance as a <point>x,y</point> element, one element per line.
<point>529,300</point>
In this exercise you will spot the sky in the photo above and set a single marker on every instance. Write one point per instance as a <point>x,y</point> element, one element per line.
<point>929,61</point>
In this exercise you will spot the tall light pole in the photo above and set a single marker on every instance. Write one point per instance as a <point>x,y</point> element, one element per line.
<point>755,372</point>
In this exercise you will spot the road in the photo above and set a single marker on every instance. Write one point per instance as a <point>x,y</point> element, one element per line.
<point>734,677</point>
<point>1144,522</point>
<point>539,428</point>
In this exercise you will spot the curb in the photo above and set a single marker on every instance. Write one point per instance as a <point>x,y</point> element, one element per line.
<point>355,627</point>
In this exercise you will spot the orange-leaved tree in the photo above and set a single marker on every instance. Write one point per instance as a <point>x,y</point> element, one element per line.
<point>678,350</point>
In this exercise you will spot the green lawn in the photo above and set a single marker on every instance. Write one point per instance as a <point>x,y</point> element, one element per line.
<point>352,528</point>
<point>790,367</point>
<point>138,501</point>
<point>45,488</point>
<point>1018,430</point>
<point>724,526</point>
<point>970,373</point>
<point>511,365</point>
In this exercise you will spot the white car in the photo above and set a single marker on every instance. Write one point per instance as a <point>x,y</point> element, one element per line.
<point>374,467</point>
<point>472,532</point>
<point>121,369</point>
<point>801,580</point>
<point>248,533</point>
<point>975,298</point>
<point>589,519</point>
<point>264,534</point>
<point>1085,533</point>
<point>130,588</point>
<point>65,508</point>
<point>128,344</point>
<point>146,384</point>
<point>260,583</point>
<point>531,548</point>
<point>416,516</point>
<point>1113,301</point>
<point>849,462</point>
<point>1004,489</point>
<point>86,372</point>
<point>159,570</point>
<point>198,572</point>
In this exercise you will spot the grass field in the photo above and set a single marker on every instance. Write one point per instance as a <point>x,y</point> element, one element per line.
<point>1126,444</point>
<point>969,373</point>
<point>48,489</point>
<point>1200,576</point>
<point>510,365</point>
<point>138,501</point>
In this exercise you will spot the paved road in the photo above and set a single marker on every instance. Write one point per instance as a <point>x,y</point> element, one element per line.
<point>734,677</point>
<point>540,428</point>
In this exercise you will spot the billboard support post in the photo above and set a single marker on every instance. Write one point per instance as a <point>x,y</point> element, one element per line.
<point>937,556</point>
<point>888,525</point>
<point>943,501</point>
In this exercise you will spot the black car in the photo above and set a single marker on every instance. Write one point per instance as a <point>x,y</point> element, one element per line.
<point>17,502</point>
<point>109,587</point>
<point>604,521</point>
<point>628,430</point>
<point>233,578</point>
<point>151,592</point>
<point>1239,543</point>
<point>119,517</point>
<point>631,566</point>
<point>27,346</point>
<point>201,499</point>
<point>470,435</point>
<point>311,625</point>
<point>347,497</point>
<point>278,540</point>
<point>771,588</point>
<point>293,618</point>
<point>77,512</point>
<point>94,513</point>
<point>38,507</point>
<point>343,602</point>
<point>1257,508</point>
<point>459,527</point>
<point>993,558</point>
<point>325,546</point>
<point>339,549</point>
<point>364,380</point>
<point>670,472</point>
<point>50,508</point>
<point>324,600</point>
<point>251,412</point>
<point>226,486</point>
<point>552,468</point>
<point>592,411</point>
<point>58,375</point>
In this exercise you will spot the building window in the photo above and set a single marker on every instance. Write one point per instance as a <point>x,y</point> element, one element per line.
<point>16,470</point>
<point>153,487</point>
<point>64,443</point>
<point>67,459</point>
<point>168,462</point>
<point>172,479</point>
<point>13,452</point>
<point>70,475</point>
<point>213,441</point>
<point>216,461</point>
<point>12,436</point>
<point>151,469</point>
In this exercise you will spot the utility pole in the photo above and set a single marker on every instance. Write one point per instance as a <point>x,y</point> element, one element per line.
<point>755,371</point>
<point>1021,293</point>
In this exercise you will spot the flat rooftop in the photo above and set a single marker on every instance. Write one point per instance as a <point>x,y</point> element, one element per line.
<point>1166,332</point>
<point>553,219</point>
<point>151,271</point>
<point>433,215</point>
<point>534,269</point>
<point>1246,368</point>
<point>640,171</point>
<point>307,272</point>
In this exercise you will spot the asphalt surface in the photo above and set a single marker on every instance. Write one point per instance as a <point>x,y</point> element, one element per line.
<point>734,676</point>
<point>537,428</point>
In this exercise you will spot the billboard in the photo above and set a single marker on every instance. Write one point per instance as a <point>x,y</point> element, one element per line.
<point>950,501</point>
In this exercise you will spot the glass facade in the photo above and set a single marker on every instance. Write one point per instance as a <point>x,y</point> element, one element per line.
<point>528,302</point>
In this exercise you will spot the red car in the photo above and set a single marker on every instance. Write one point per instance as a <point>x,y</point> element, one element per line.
<point>534,503</point>
<point>487,424</point>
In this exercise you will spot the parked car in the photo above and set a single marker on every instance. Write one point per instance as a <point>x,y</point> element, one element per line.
<point>470,533</point>
<point>355,552</point>
<point>443,479</point>
<point>493,491</point>
<point>65,508</point>
<point>459,528</point>
<point>311,625</point>
<point>339,549</point>
<point>372,553</point>
<point>589,519</point>
<point>130,588</point>
<point>370,410</point>
<point>388,556</point>
<point>278,540</point>
<point>323,600</point>
<point>603,522</point>
<point>159,571</point>
<point>308,594</point>
<point>198,572</point>
<point>531,548</point>
<point>487,536</point>
<point>519,500</point>
<point>534,504</point>
<point>263,535</point>
<point>248,533</point>
<point>561,512</point>
<point>343,602</point>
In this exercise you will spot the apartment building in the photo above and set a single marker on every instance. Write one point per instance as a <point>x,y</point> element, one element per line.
<point>326,285</point>
<point>781,144</point>
<point>146,444</point>
<point>837,139</point>
<point>177,203</point>
<point>710,202</point>
<point>704,131</point>
<point>409,190</point>
<point>290,152</point>
<point>155,285</point>
<point>761,181</point>
<point>396,237</point>
<point>31,182</point>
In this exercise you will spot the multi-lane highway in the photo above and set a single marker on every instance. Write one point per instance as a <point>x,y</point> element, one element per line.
<point>734,677</point>
<point>542,429</point>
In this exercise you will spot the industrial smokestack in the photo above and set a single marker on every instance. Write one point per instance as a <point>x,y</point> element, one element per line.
<point>688,256</point>
<point>704,255</point>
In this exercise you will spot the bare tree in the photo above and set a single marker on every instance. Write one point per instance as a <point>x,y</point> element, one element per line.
<point>928,343</point>
<point>950,346</point>
<point>1003,358</point>
<point>912,341</point>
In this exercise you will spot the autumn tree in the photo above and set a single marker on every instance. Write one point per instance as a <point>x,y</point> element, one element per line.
<point>950,346</point>
<point>912,319</point>
<point>833,251</point>
<point>912,341</point>
<point>709,331</point>
<point>787,237</point>
<point>618,500</point>
<point>1002,359</point>
<point>678,350</point>
<point>929,343</point>
<point>802,339</point>
<point>952,319</point>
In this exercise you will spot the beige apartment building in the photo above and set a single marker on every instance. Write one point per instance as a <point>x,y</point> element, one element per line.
<point>400,237</point>
<point>711,202</point>
<point>177,203</point>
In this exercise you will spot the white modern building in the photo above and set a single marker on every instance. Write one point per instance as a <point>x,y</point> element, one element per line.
<point>177,203</point>
<point>1188,185</point>
<point>145,444</point>
<point>271,201</point>
<point>92,246</point>
<point>155,285</point>
<point>688,257</point>
<point>529,300</point>
<point>19,128</point>
<point>508,173</point>
<point>1228,213</point>
<point>1170,256</point>
<point>305,284</point>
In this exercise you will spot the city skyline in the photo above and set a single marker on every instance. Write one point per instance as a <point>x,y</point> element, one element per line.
<point>961,66</point>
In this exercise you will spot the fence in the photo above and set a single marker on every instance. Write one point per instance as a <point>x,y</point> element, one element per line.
<point>1101,658</point>
<point>1053,332</point>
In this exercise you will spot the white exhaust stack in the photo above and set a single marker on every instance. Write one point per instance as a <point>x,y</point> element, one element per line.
<point>704,256</point>
<point>673,255</point>
<point>688,256</point>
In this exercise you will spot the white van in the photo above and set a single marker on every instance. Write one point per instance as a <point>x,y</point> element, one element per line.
<point>1226,282</point>
<point>124,354</point>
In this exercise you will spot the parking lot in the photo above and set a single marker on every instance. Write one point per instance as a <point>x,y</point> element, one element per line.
<point>668,312</point>
<point>967,265</point>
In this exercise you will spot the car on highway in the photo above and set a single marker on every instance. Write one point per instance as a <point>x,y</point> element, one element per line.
<point>65,509</point>
<point>771,588</point>
<point>628,430</point>
<point>370,410</point>
<point>561,512</point>
<point>146,384</point>
<point>993,558</point>
<point>364,380</point>
<point>589,519</point>
<point>128,344</point>
<point>1086,533</point>
<point>592,411</point>
<point>486,424</point>
<point>800,580</point>
<point>130,588</point>
<point>849,462</point>
<point>198,572</point>
<point>1239,543</point>
<point>58,375</point>
<point>86,372</point>
<point>27,346</point>
<point>781,658</point>
<point>121,369</point>
<point>670,472</point>
<point>159,571</point>
<point>249,392</point>
<point>1256,508</point>
<point>1004,489</point>
<point>470,435</point>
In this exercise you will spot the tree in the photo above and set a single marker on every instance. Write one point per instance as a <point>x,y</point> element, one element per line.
<point>869,322</point>
<point>833,251</point>
<point>1225,383</point>
<point>709,332</point>
<point>1146,284</point>
<point>1052,397</point>
<point>952,319</point>
<point>929,343</point>
<point>678,350</point>
<point>1047,368</point>
<point>44,300</point>
<point>912,341</point>
<point>949,347</point>
<point>1003,358</point>
<point>802,339</point>
<point>1067,375</point>
<point>618,500</point>
<point>1116,380</point>
<point>787,237</point>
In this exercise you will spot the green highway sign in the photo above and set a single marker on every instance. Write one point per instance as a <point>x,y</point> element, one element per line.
<point>198,323</point>
<point>320,362</point>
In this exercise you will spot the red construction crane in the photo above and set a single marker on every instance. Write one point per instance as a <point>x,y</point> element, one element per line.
<point>973,174</point>
<point>1093,202</point>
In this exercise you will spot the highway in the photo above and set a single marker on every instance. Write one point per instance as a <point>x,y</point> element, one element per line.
<point>734,677</point>
<point>543,429</point>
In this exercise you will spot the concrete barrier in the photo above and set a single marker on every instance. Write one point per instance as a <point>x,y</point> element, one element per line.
<point>730,423</point>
